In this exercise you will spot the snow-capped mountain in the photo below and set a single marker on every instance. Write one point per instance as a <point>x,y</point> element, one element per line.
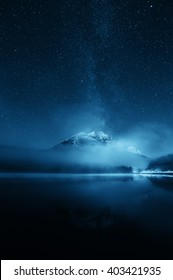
<point>83,139</point>
<point>92,152</point>
<point>97,138</point>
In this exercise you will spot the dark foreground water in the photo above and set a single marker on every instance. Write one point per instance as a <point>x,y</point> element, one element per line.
<point>86,217</point>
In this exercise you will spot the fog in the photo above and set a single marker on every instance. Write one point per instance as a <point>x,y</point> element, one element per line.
<point>134,148</point>
<point>66,159</point>
<point>151,139</point>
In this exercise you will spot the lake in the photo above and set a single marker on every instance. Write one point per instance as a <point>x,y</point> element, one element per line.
<point>105,216</point>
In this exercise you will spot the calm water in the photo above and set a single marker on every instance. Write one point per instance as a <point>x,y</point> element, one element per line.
<point>86,216</point>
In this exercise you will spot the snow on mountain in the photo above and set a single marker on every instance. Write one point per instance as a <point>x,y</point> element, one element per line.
<point>103,144</point>
<point>82,139</point>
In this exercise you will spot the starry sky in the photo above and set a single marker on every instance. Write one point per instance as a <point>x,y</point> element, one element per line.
<point>81,65</point>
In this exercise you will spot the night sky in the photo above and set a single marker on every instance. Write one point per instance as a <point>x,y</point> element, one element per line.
<point>80,65</point>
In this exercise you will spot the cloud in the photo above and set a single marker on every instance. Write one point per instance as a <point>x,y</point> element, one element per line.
<point>151,139</point>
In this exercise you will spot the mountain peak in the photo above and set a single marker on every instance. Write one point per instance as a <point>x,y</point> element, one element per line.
<point>83,138</point>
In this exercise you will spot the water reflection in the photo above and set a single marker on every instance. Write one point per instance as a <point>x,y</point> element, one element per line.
<point>164,182</point>
<point>115,206</point>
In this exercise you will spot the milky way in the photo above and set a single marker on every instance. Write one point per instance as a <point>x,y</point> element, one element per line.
<point>68,66</point>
